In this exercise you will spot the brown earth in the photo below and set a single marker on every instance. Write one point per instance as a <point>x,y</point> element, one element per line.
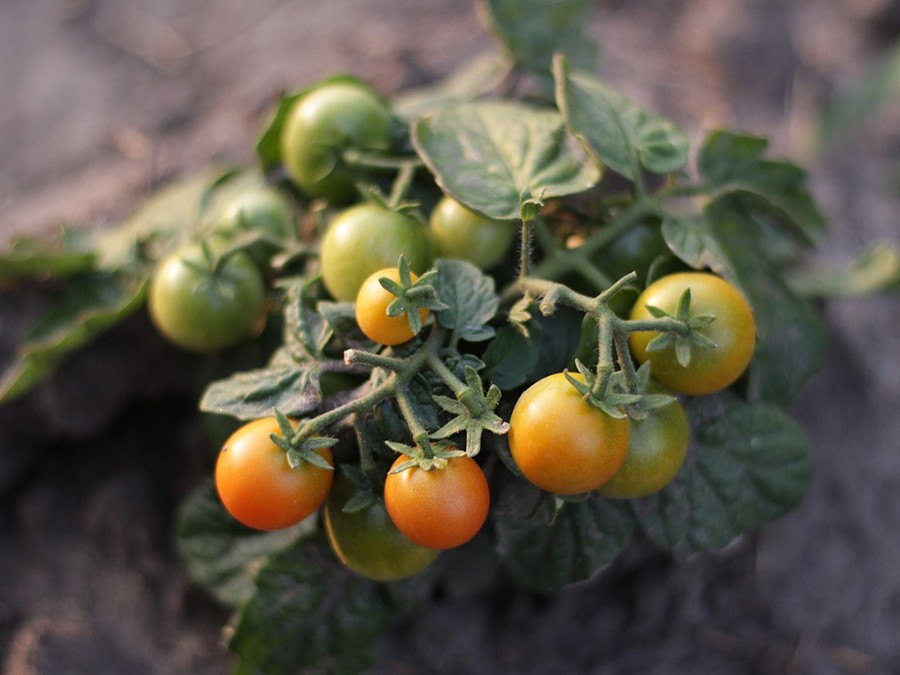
<point>104,99</point>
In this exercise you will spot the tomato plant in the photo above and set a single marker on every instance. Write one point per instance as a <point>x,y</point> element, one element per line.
<point>257,484</point>
<point>366,539</point>
<point>525,405</point>
<point>729,338</point>
<point>372,304</point>
<point>322,125</point>
<point>366,238</point>
<point>460,232</point>
<point>562,443</point>
<point>204,305</point>
<point>656,450</point>
<point>439,508</point>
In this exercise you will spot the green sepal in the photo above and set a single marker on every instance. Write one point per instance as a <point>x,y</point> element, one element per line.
<point>474,413</point>
<point>436,458</point>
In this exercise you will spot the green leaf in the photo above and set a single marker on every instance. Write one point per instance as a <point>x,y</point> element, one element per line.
<point>219,553</point>
<point>531,31</point>
<point>473,79</point>
<point>341,318</point>
<point>419,397</point>
<point>746,467</point>
<point>730,162</point>
<point>306,331</point>
<point>59,257</point>
<point>512,359</point>
<point>92,304</point>
<point>310,615</point>
<point>874,269</point>
<point>169,216</point>
<point>285,385</point>
<point>790,333</point>
<point>582,539</point>
<point>616,131</point>
<point>488,154</point>
<point>470,298</point>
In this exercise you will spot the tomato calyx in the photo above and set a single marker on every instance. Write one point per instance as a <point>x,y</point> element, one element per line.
<point>647,394</point>
<point>686,338</point>
<point>424,455</point>
<point>299,445</point>
<point>473,411</point>
<point>412,296</point>
<point>610,400</point>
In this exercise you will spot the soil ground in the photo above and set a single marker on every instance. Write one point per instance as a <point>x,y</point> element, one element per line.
<point>104,99</point>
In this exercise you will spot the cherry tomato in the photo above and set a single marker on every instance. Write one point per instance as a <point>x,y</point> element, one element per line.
<point>658,446</point>
<point>201,308</point>
<point>259,487</point>
<point>371,311</point>
<point>263,210</point>
<point>733,331</point>
<point>440,508</point>
<point>366,238</point>
<point>367,541</point>
<point>324,123</point>
<point>560,442</point>
<point>633,251</point>
<point>462,233</point>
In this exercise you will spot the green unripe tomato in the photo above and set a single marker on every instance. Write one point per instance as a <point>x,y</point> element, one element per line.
<point>368,542</point>
<point>462,233</point>
<point>203,309</point>
<point>656,451</point>
<point>264,210</point>
<point>321,125</point>
<point>366,238</point>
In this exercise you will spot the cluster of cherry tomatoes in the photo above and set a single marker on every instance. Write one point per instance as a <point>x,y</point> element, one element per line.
<point>213,295</point>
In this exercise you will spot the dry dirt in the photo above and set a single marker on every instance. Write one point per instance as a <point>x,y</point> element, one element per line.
<point>104,99</point>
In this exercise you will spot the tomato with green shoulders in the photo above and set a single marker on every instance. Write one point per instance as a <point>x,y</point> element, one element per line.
<point>560,442</point>
<point>656,451</point>
<point>732,333</point>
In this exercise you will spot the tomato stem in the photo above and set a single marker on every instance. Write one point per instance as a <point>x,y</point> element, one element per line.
<point>605,336</point>
<point>525,249</point>
<point>416,428</point>
<point>402,183</point>
<point>449,378</point>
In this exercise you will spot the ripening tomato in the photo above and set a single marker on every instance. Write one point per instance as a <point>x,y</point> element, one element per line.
<point>259,487</point>
<point>367,541</point>
<point>441,508</point>
<point>560,442</point>
<point>371,311</point>
<point>658,446</point>
<point>733,332</point>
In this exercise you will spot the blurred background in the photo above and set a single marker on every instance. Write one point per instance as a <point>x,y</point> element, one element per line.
<point>103,100</point>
